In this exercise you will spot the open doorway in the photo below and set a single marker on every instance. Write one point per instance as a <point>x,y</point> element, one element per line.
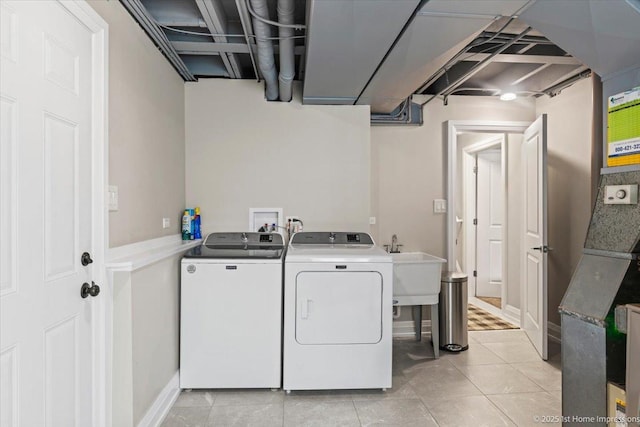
<point>483,223</point>
<point>475,137</point>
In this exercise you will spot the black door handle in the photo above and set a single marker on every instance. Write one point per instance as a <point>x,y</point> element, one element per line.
<point>85,259</point>
<point>87,290</point>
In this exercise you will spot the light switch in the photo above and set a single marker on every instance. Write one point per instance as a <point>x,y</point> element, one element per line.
<point>439,206</point>
<point>372,220</point>
<point>621,194</point>
<point>113,198</point>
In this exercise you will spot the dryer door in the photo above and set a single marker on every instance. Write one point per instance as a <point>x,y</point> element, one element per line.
<point>338,307</point>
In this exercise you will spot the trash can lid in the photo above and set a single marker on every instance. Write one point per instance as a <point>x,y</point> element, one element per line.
<point>453,276</point>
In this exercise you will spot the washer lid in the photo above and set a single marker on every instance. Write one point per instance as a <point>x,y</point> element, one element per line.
<point>337,254</point>
<point>247,245</point>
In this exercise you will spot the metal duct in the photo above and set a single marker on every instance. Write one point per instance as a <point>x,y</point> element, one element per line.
<point>286,8</point>
<point>266,58</point>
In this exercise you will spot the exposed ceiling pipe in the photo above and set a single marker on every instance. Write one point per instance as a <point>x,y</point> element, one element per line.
<point>286,9</point>
<point>556,89</point>
<point>266,58</point>
<point>244,20</point>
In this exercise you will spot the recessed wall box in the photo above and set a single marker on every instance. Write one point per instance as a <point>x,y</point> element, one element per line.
<point>621,194</point>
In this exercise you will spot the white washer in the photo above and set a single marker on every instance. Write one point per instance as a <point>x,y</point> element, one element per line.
<point>231,312</point>
<point>338,294</point>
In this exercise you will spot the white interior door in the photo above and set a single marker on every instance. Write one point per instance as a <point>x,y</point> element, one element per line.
<point>46,107</point>
<point>489,205</point>
<point>534,265</point>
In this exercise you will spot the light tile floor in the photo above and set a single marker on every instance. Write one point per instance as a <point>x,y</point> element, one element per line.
<point>499,381</point>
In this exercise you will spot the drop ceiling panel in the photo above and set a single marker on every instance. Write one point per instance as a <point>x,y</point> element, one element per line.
<point>605,35</point>
<point>474,7</point>
<point>346,40</point>
<point>171,12</point>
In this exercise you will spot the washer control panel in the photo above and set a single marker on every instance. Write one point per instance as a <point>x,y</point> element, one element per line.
<point>621,194</point>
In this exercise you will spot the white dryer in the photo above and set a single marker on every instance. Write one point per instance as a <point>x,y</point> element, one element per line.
<point>338,293</point>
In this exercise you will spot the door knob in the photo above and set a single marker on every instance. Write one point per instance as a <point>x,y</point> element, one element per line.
<point>88,289</point>
<point>85,259</point>
<point>544,249</point>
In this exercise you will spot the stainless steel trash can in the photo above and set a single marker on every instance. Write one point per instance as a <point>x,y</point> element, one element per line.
<point>453,311</point>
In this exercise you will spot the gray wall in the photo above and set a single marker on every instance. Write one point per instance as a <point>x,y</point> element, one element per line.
<point>570,148</point>
<point>147,163</point>
<point>146,132</point>
<point>155,299</point>
<point>244,152</point>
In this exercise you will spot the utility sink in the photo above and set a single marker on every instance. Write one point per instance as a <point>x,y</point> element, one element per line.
<point>416,278</point>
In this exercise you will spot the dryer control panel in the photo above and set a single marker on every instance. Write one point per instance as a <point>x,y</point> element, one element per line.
<point>331,238</point>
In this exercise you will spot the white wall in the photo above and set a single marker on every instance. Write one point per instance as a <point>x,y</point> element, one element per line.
<point>570,150</point>
<point>243,152</point>
<point>146,132</point>
<point>409,171</point>
<point>514,221</point>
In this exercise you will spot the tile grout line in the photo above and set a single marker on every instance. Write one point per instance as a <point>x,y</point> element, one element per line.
<point>500,410</point>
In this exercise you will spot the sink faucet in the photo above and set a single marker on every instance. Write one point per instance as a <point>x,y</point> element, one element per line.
<point>395,247</point>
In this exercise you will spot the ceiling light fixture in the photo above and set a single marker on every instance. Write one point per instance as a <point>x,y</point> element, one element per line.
<point>508,96</point>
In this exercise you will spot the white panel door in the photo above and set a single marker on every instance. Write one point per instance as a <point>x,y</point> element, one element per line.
<point>338,307</point>
<point>489,203</point>
<point>534,264</point>
<point>45,99</point>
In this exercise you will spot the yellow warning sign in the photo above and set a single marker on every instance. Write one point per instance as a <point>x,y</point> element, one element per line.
<point>623,131</point>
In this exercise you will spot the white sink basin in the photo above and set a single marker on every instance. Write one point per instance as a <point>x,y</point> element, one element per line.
<point>416,278</point>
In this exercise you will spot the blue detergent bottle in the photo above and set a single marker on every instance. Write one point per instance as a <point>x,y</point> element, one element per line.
<point>198,221</point>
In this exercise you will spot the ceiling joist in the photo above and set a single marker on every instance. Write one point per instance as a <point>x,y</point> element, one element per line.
<point>201,48</point>
<point>214,17</point>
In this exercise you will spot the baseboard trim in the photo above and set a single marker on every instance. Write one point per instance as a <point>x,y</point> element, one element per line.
<point>163,403</point>
<point>407,328</point>
<point>512,314</point>
<point>554,332</point>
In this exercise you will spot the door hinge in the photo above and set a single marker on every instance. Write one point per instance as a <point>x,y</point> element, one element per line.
<point>475,169</point>
<point>475,221</point>
<point>475,273</point>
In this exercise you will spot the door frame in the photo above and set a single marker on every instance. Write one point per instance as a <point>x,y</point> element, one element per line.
<point>101,313</point>
<point>470,203</point>
<point>452,128</point>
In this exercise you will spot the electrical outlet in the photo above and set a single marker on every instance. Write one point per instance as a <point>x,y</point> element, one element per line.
<point>166,222</point>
